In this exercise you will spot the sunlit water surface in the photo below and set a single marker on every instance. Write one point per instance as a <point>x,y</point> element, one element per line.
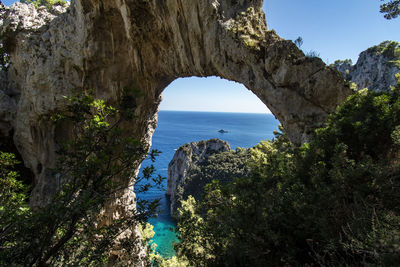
<point>176,128</point>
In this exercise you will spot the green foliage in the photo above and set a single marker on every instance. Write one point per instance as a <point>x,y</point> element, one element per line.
<point>346,61</point>
<point>147,233</point>
<point>231,231</point>
<point>312,54</point>
<point>298,41</point>
<point>159,261</point>
<point>224,167</point>
<point>13,204</point>
<point>333,202</point>
<point>389,49</point>
<point>391,9</point>
<point>47,3</point>
<point>93,169</point>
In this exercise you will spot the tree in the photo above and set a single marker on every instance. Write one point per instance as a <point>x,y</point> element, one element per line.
<point>223,166</point>
<point>91,165</point>
<point>391,9</point>
<point>299,41</point>
<point>332,202</point>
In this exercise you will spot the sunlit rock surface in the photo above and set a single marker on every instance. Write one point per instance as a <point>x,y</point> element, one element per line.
<point>374,69</point>
<point>185,157</point>
<point>107,45</point>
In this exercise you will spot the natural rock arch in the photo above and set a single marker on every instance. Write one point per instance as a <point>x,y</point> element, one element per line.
<point>111,44</point>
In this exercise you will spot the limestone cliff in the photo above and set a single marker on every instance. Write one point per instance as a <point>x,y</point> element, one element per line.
<point>375,68</point>
<point>85,47</point>
<point>108,45</point>
<point>186,158</point>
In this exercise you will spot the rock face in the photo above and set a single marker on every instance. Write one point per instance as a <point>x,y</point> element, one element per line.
<point>185,158</point>
<point>375,68</point>
<point>108,45</point>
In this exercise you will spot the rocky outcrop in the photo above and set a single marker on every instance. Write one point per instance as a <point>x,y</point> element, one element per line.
<point>375,68</point>
<point>187,157</point>
<point>108,45</point>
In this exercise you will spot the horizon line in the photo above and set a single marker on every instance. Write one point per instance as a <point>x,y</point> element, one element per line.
<point>212,111</point>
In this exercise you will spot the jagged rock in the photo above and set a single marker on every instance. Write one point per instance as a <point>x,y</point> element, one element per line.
<point>185,157</point>
<point>344,67</point>
<point>375,69</point>
<point>85,47</point>
<point>107,45</point>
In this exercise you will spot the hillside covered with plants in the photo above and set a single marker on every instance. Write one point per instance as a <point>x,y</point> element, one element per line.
<point>332,202</point>
<point>389,49</point>
<point>81,84</point>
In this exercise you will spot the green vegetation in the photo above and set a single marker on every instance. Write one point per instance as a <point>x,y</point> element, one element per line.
<point>332,202</point>
<point>312,54</point>
<point>346,66</point>
<point>298,41</point>
<point>246,28</point>
<point>47,3</point>
<point>222,166</point>
<point>389,49</point>
<point>13,194</point>
<point>93,167</point>
<point>346,61</point>
<point>391,9</point>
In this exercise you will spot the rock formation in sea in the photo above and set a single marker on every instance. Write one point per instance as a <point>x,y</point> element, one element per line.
<point>187,157</point>
<point>375,68</point>
<point>108,45</point>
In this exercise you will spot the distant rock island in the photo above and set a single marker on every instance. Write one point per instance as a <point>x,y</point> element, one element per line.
<point>222,131</point>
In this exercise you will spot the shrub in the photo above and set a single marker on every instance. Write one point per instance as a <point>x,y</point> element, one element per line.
<point>224,167</point>
<point>70,230</point>
<point>334,201</point>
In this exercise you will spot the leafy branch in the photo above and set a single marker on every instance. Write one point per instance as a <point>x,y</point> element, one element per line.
<point>96,166</point>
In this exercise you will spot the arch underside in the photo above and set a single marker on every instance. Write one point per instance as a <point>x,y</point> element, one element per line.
<point>164,40</point>
<point>111,44</point>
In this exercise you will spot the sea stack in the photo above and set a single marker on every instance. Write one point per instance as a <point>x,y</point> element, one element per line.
<point>187,156</point>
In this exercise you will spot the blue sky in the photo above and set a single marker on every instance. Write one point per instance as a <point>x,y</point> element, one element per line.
<point>336,29</point>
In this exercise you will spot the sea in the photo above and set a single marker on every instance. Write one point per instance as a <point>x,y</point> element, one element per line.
<point>176,128</point>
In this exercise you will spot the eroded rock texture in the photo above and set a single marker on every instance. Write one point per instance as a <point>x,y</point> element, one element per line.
<point>375,68</point>
<point>107,45</point>
<point>185,158</point>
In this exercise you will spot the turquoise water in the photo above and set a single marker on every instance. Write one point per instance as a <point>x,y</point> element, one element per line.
<point>176,128</point>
